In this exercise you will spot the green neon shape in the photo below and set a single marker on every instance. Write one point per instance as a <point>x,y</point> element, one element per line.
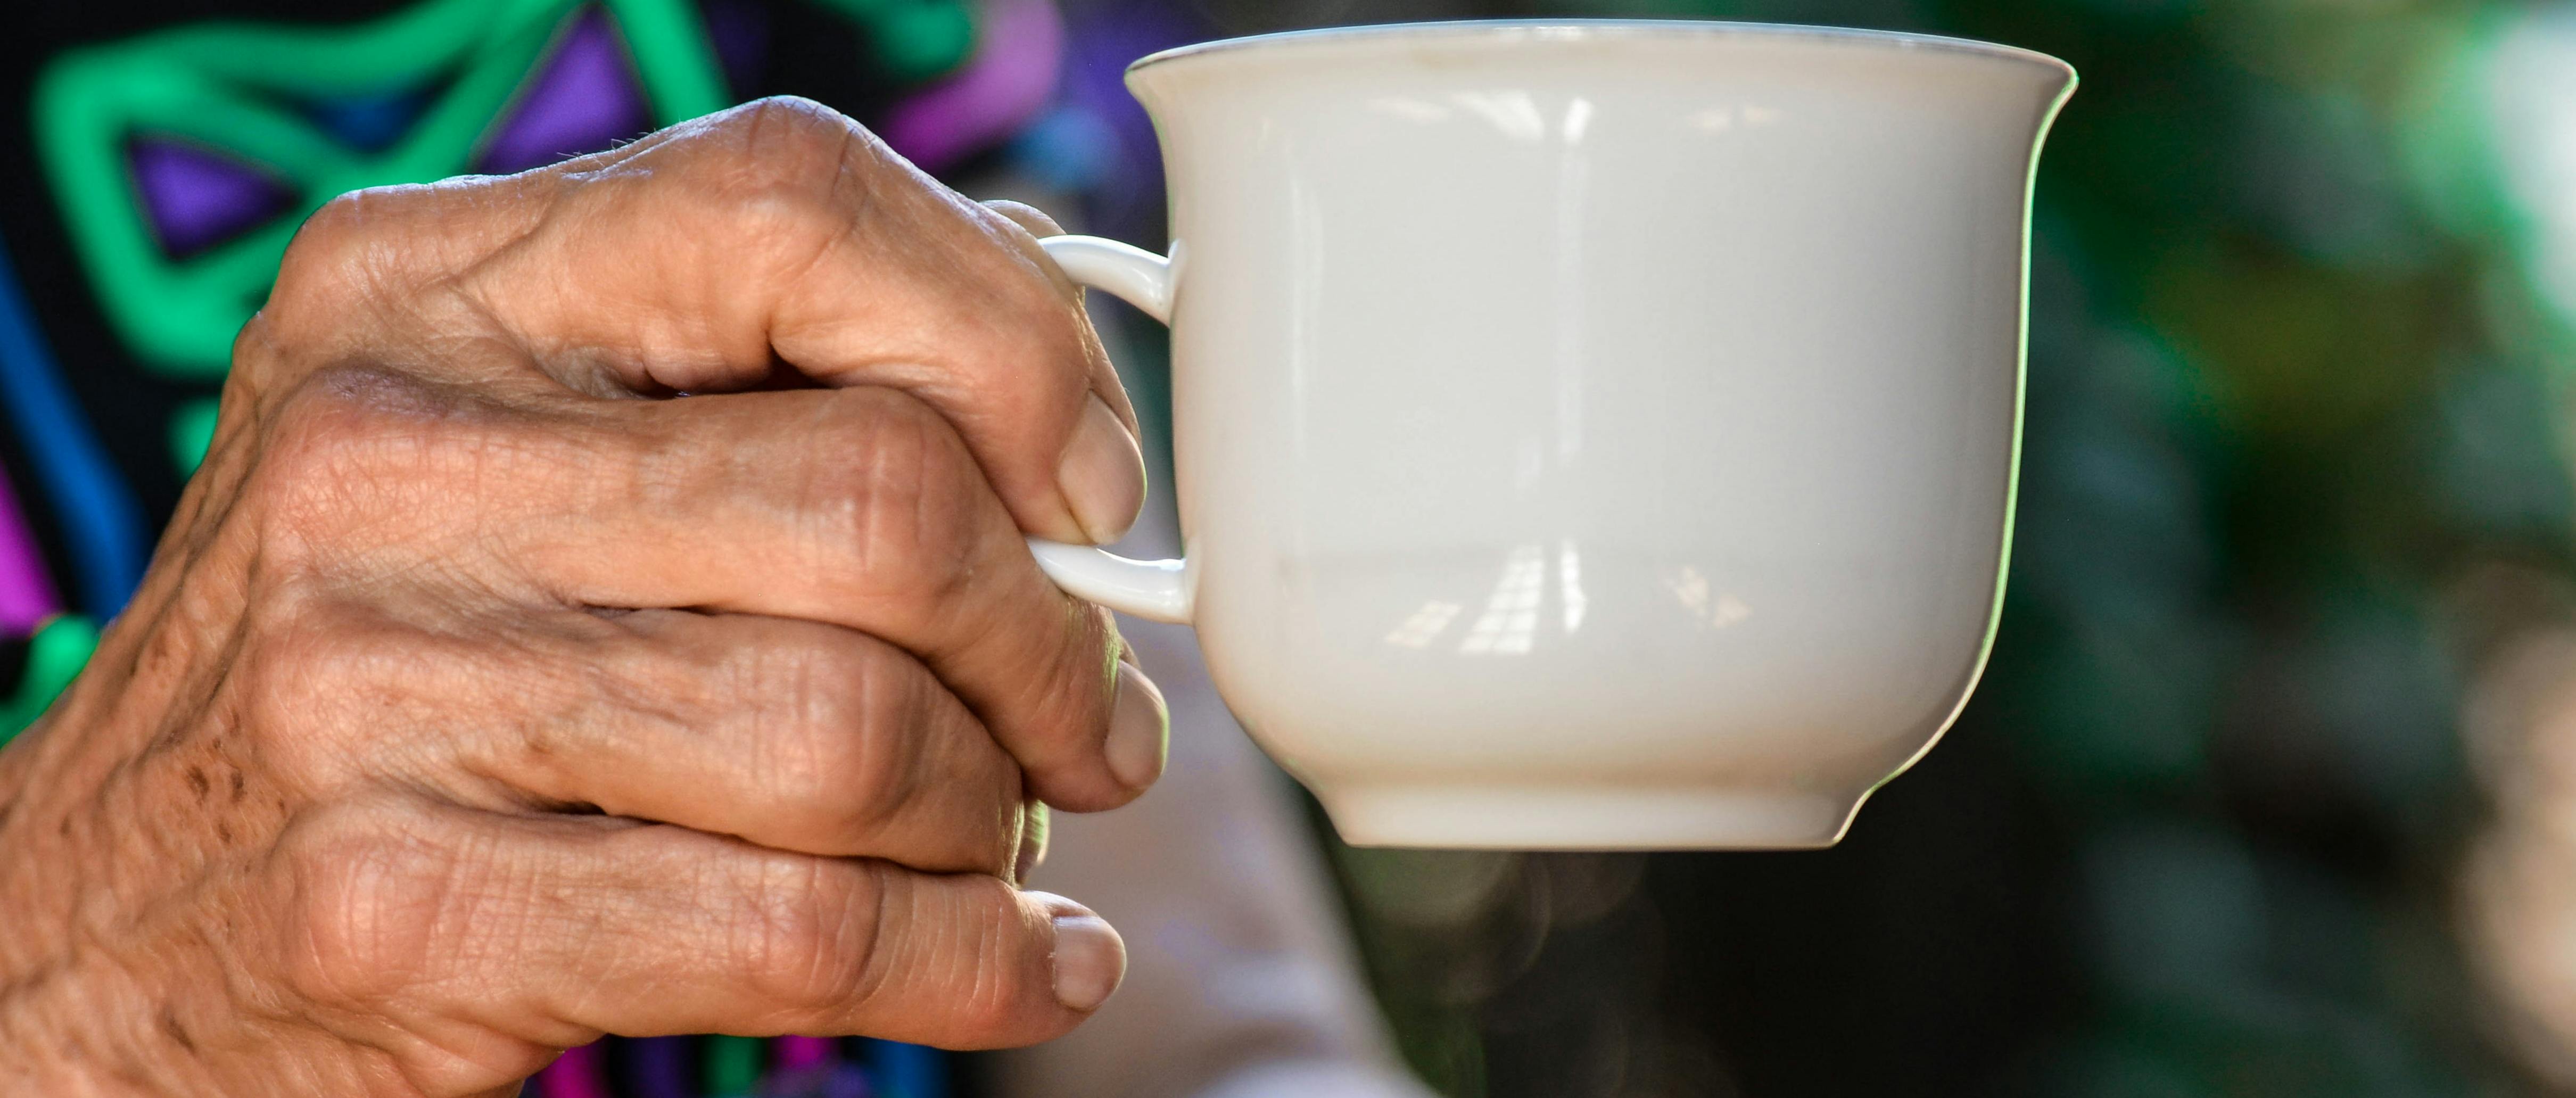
<point>192,430</point>
<point>56,654</point>
<point>732,1065</point>
<point>913,41</point>
<point>224,84</point>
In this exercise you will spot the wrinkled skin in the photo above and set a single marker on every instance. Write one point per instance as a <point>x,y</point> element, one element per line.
<point>488,695</point>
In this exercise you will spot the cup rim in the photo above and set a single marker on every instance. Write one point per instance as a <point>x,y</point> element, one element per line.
<point>1596,29</point>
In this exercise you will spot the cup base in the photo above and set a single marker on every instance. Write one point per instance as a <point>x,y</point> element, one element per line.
<point>1586,818</point>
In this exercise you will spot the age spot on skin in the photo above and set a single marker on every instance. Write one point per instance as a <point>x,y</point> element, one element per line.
<point>238,793</point>
<point>197,783</point>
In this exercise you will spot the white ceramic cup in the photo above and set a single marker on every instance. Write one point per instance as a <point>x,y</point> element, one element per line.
<point>1593,434</point>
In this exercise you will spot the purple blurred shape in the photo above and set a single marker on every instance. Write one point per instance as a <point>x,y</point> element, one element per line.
<point>1018,56</point>
<point>825,1080</point>
<point>577,1073</point>
<point>27,598</point>
<point>847,1082</point>
<point>584,99</point>
<point>803,1052</point>
<point>197,197</point>
<point>1096,65</point>
<point>1126,197</point>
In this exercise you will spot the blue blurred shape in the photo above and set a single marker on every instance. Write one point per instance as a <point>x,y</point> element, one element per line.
<point>1069,149</point>
<point>907,1071</point>
<point>97,513</point>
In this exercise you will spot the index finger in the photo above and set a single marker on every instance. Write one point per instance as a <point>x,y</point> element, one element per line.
<point>775,240</point>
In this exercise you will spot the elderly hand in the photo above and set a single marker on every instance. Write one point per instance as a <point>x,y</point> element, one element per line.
<point>482,699</point>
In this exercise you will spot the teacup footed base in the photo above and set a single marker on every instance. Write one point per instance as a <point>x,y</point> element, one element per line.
<point>1586,817</point>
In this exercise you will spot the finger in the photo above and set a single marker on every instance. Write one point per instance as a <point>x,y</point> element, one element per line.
<point>858,508</point>
<point>1039,226</point>
<point>556,930</point>
<point>1026,216</point>
<point>701,259</point>
<point>864,512</point>
<point>791,734</point>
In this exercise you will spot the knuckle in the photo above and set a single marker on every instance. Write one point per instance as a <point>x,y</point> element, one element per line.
<point>845,761</point>
<point>341,444</point>
<point>788,174</point>
<point>368,902</point>
<point>816,923</point>
<point>797,135</point>
<point>320,666</point>
<point>327,425</point>
<point>346,248</point>
<point>906,500</point>
<point>330,240</point>
<point>259,353</point>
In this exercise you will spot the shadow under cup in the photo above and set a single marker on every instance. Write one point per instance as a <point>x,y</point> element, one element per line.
<point>1594,434</point>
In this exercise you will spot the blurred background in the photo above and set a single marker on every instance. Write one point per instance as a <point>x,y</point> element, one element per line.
<point>2270,788</point>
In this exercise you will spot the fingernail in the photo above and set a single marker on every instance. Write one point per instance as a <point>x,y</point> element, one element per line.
<point>1103,474</point>
<point>1089,961</point>
<point>1139,727</point>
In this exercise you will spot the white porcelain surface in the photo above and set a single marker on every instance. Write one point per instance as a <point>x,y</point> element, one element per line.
<point>1589,435</point>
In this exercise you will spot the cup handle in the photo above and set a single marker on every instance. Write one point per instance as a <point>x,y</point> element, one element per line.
<point>1156,590</point>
